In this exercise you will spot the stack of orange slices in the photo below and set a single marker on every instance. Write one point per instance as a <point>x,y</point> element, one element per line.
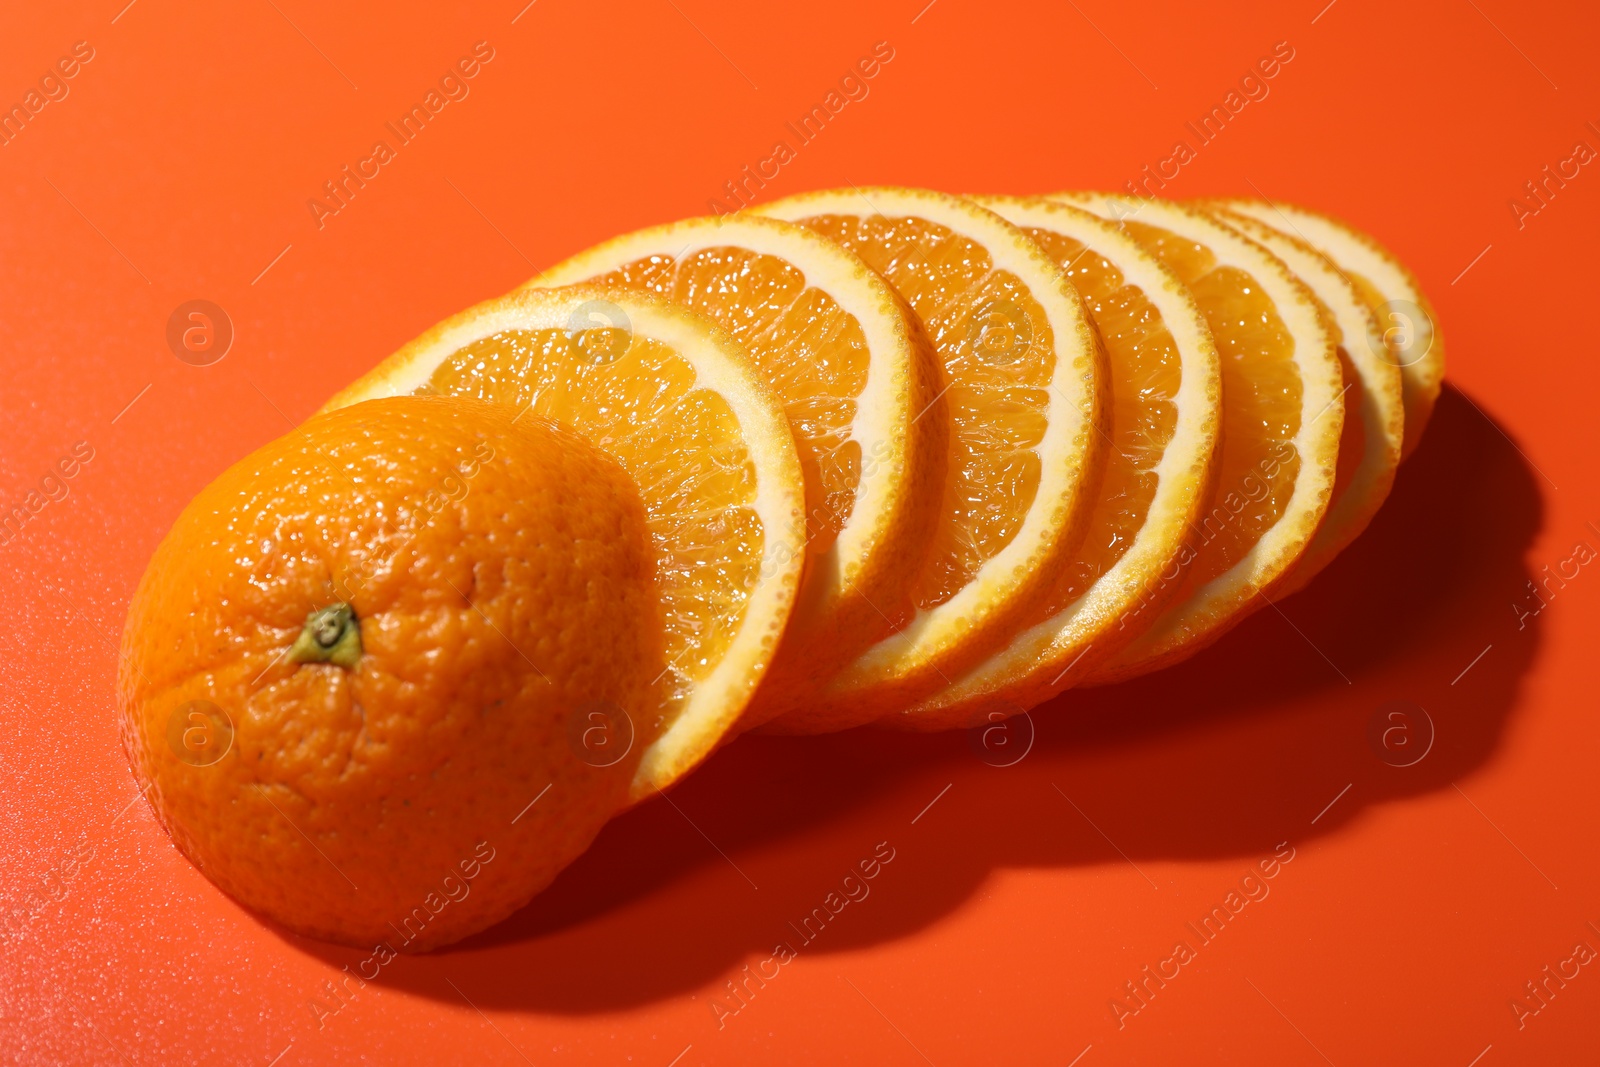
<point>890,457</point>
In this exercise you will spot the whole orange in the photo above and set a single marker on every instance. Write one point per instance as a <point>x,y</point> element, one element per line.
<point>383,677</point>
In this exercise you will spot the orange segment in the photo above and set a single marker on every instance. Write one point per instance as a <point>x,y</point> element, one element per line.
<point>1262,386</point>
<point>1146,372</point>
<point>1410,331</point>
<point>1369,448</point>
<point>812,352</point>
<point>1166,396</point>
<point>997,397</point>
<point>1022,390</point>
<point>676,403</point>
<point>1281,419</point>
<point>844,357</point>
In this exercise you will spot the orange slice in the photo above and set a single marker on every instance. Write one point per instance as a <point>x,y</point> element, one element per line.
<point>677,403</point>
<point>1374,417</point>
<point>853,371</point>
<point>1282,414</point>
<point>1410,330</point>
<point>1023,383</point>
<point>1166,394</point>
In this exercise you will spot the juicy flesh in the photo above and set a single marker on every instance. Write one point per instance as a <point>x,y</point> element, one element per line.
<point>638,400</point>
<point>998,356</point>
<point>810,350</point>
<point>1261,402</point>
<point>1146,371</point>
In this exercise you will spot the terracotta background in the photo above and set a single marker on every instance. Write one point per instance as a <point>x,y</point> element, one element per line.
<point>1419,900</point>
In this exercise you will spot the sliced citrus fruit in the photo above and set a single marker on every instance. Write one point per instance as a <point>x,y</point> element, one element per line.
<point>1410,331</point>
<point>1374,418</point>
<point>1023,383</point>
<point>1166,397</point>
<point>675,400</point>
<point>1282,414</point>
<point>852,370</point>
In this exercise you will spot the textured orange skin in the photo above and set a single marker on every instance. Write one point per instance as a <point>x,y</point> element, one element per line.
<point>375,804</point>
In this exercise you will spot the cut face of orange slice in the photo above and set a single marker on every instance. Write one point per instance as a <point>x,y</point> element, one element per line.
<point>853,371</point>
<point>1282,414</point>
<point>1166,399</point>
<point>1410,330</point>
<point>1374,419</point>
<point>677,403</point>
<point>1022,388</point>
